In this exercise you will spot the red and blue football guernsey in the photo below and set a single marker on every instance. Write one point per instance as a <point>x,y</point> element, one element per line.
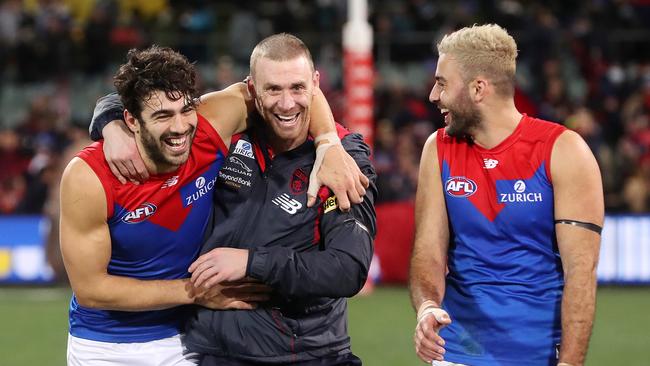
<point>505,281</point>
<point>156,229</point>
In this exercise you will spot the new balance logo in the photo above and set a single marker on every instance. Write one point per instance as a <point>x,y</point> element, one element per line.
<point>490,163</point>
<point>287,203</point>
<point>170,182</point>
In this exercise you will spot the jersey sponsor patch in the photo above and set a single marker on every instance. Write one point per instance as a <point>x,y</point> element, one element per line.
<point>143,212</point>
<point>460,187</point>
<point>244,148</point>
<point>203,187</point>
<point>238,162</point>
<point>330,204</point>
<point>520,194</point>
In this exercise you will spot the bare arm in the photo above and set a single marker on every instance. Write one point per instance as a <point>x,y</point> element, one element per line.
<point>578,195</point>
<point>227,110</point>
<point>429,258</point>
<point>338,171</point>
<point>86,248</point>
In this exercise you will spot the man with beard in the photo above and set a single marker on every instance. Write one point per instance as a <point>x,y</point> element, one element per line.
<point>509,211</point>
<point>127,247</point>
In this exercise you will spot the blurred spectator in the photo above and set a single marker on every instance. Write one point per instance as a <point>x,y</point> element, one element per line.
<point>243,33</point>
<point>96,35</point>
<point>196,18</point>
<point>14,160</point>
<point>635,191</point>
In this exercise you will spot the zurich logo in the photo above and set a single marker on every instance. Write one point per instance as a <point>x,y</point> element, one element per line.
<point>520,186</point>
<point>143,212</point>
<point>460,187</point>
<point>200,182</point>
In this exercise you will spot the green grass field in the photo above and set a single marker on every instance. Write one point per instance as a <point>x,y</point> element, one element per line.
<point>33,324</point>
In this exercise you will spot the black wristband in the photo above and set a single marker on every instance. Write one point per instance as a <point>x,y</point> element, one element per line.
<point>586,225</point>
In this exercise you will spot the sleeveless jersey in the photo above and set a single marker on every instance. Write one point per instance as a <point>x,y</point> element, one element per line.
<point>504,282</point>
<point>156,230</point>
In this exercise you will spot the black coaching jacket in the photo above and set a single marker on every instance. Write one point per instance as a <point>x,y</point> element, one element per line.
<point>313,258</point>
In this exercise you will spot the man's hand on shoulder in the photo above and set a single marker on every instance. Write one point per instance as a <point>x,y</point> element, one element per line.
<point>336,169</point>
<point>122,153</point>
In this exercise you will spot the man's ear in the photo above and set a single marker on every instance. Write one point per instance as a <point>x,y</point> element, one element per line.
<point>250,87</point>
<point>316,79</point>
<point>131,122</point>
<point>479,89</point>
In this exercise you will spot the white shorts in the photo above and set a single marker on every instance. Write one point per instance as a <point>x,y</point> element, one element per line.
<point>162,352</point>
<point>445,363</point>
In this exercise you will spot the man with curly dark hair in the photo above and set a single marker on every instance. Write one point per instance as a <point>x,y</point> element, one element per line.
<point>127,247</point>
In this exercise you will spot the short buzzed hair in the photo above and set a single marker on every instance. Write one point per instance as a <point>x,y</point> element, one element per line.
<point>486,50</point>
<point>280,47</point>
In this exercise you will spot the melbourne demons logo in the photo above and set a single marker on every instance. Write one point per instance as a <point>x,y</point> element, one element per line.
<point>460,187</point>
<point>143,212</point>
<point>299,181</point>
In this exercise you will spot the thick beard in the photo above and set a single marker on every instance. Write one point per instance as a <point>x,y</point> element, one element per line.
<point>153,149</point>
<point>464,118</point>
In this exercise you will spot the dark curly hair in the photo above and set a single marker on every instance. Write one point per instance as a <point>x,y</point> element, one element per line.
<point>154,69</point>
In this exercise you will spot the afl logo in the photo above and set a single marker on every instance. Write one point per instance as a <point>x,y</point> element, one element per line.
<point>200,182</point>
<point>139,214</point>
<point>460,187</point>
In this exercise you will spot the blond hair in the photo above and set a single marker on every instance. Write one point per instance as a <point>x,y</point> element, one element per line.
<point>487,50</point>
<point>280,47</point>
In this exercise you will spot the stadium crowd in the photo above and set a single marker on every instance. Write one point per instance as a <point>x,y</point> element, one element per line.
<point>584,64</point>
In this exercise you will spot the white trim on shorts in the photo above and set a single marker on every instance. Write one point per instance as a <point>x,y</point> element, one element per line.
<point>446,363</point>
<point>167,351</point>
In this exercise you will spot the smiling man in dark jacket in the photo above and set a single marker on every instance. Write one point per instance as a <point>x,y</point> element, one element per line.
<point>312,257</point>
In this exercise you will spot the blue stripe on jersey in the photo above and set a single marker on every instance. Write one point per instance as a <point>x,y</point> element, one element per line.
<point>502,272</point>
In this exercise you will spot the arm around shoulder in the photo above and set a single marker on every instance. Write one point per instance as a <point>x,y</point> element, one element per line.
<point>108,110</point>
<point>227,110</point>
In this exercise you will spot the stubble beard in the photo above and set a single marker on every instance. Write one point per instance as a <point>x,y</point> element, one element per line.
<point>153,148</point>
<point>465,118</point>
